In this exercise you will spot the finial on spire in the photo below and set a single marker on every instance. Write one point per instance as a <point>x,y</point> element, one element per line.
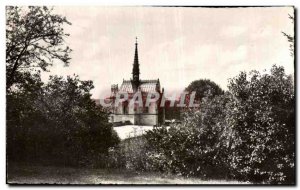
<point>136,40</point>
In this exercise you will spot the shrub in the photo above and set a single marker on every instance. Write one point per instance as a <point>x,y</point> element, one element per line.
<point>262,117</point>
<point>130,154</point>
<point>57,123</point>
<point>247,133</point>
<point>191,149</point>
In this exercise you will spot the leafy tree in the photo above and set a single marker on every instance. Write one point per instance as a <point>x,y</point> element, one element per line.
<point>21,115</point>
<point>198,146</point>
<point>56,122</point>
<point>204,88</point>
<point>262,118</point>
<point>59,124</point>
<point>34,40</point>
<point>68,104</point>
<point>248,133</point>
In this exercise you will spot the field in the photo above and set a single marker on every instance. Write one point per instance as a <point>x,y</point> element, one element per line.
<point>28,174</point>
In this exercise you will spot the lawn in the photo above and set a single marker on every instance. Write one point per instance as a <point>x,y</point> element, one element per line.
<point>26,174</point>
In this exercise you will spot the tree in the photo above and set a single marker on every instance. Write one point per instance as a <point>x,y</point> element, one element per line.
<point>22,116</point>
<point>59,123</point>
<point>262,116</point>
<point>198,146</point>
<point>76,118</point>
<point>248,133</point>
<point>34,40</point>
<point>204,88</point>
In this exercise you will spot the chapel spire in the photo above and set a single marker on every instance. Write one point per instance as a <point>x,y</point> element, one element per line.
<point>136,67</point>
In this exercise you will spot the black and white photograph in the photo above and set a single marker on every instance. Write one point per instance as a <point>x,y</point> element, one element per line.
<point>150,95</point>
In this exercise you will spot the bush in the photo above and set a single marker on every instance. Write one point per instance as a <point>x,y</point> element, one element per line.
<point>262,117</point>
<point>57,123</point>
<point>131,154</point>
<point>188,150</point>
<point>246,134</point>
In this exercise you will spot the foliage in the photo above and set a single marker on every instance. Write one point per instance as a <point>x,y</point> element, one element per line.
<point>246,133</point>
<point>262,116</point>
<point>195,148</point>
<point>130,154</point>
<point>34,40</point>
<point>58,123</point>
<point>204,88</point>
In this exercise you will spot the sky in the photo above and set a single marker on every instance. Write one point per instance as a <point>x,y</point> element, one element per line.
<point>177,45</point>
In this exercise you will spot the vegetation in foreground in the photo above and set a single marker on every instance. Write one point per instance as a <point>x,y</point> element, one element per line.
<point>245,134</point>
<point>55,122</point>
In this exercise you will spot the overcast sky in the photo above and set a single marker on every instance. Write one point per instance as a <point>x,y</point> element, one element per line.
<point>176,45</point>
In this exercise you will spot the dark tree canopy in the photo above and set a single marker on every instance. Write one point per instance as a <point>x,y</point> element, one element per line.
<point>204,88</point>
<point>34,40</point>
<point>57,123</point>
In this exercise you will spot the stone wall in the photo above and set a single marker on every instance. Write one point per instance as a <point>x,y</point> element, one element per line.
<point>123,118</point>
<point>148,119</point>
<point>138,119</point>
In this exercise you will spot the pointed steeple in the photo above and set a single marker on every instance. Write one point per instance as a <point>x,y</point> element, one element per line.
<point>136,68</point>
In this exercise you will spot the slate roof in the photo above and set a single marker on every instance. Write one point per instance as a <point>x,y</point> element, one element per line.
<point>145,86</point>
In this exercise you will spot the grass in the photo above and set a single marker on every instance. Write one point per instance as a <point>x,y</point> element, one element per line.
<point>34,174</point>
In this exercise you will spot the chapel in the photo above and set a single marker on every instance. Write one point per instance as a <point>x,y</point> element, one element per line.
<point>152,115</point>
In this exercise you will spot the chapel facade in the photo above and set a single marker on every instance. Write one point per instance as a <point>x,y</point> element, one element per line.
<point>152,115</point>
